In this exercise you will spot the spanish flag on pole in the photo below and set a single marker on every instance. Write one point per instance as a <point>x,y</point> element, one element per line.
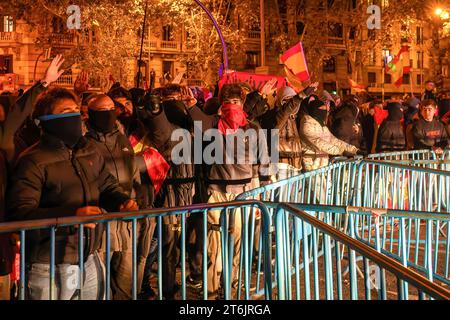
<point>399,66</point>
<point>295,61</point>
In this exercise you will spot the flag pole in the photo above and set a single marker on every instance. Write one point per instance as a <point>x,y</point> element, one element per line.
<point>383,80</point>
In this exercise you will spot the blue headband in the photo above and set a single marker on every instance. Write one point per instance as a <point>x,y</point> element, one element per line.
<point>58,116</point>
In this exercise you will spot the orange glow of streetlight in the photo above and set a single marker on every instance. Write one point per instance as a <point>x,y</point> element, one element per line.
<point>438,11</point>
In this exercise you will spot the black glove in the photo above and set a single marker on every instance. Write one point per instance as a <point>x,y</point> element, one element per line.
<point>255,105</point>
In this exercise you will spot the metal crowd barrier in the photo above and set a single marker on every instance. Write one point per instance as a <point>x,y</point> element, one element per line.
<point>420,239</point>
<point>303,273</point>
<point>245,276</point>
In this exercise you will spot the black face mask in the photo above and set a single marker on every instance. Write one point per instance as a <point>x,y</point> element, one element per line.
<point>66,127</point>
<point>318,114</point>
<point>103,121</point>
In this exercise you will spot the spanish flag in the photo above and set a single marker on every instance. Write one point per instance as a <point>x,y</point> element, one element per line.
<point>295,61</point>
<point>399,66</point>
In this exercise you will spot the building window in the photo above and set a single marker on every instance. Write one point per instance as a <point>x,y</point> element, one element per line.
<point>167,33</point>
<point>387,78</point>
<point>371,34</point>
<point>352,33</point>
<point>384,3</point>
<point>371,78</point>
<point>252,59</point>
<point>406,78</point>
<point>419,59</point>
<point>58,25</point>
<point>6,64</point>
<point>419,35</point>
<point>349,66</point>
<point>372,58</point>
<point>386,56</point>
<point>335,30</point>
<point>419,79</point>
<point>8,24</point>
<point>329,65</point>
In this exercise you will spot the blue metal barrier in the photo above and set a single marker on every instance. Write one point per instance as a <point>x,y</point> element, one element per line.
<point>380,278</point>
<point>421,243</point>
<point>227,244</point>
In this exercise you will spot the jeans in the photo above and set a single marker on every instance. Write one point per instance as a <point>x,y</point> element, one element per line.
<point>66,282</point>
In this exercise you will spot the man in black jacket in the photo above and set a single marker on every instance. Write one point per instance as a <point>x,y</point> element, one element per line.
<point>427,132</point>
<point>391,136</point>
<point>13,115</point>
<point>63,175</point>
<point>120,161</point>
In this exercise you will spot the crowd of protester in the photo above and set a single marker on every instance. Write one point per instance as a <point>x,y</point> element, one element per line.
<point>78,153</point>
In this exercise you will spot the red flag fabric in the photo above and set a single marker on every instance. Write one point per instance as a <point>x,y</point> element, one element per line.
<point>157,167</point>
<point>256,81</point>
<point>357,87</point>
<point>399,66</point>
<point>294,59</point>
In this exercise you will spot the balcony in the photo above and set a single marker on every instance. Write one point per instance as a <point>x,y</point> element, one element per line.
<point>9,37</point>
<point>62,39</point>
<point>254,34</point>
<point>66,80</point>
<point>169,45</point>
<point>195,82</point>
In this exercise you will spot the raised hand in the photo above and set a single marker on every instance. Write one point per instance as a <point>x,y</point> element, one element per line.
<point>81,83</point>
<point>53,73</point>
<point>268,88</point>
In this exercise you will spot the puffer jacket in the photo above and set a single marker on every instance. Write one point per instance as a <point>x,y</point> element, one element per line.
<point>318,143</point>
<point>51,181</point>
<point>342,127</point>
<point>391,137</point>
<point>120,162</point>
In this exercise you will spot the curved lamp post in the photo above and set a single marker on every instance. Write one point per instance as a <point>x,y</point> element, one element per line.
<point>222,39</point>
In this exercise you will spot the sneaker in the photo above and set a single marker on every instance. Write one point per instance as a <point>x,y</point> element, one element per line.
<point>193,284</point>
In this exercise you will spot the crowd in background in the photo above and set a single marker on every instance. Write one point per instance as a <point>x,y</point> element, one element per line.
<point>80,153</point>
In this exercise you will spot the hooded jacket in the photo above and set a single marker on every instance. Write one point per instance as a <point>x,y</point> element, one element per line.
<point>318,143</point>
<point>51,181</point>
<point>343,121</point>
<point>391,136</point>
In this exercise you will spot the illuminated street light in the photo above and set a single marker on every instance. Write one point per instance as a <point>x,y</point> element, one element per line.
<point>438,11</point>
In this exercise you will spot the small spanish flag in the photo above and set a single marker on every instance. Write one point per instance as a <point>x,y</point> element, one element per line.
<point>294,60</point>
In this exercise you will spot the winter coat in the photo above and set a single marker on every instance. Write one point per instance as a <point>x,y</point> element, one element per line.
<point>52,181</point>
<point>426,135</point>
<point>391,137</point>
<point>284,119</point>
<point>237,177</point>
<point>318,143</point>
<point>120,162</point>
<point>342,127</point>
